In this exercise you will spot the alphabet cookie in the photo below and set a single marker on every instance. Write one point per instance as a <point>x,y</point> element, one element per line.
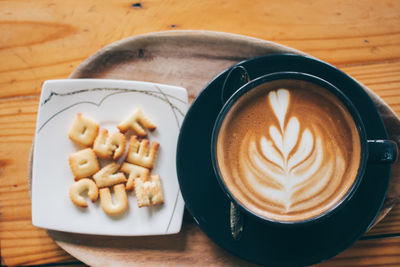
<point>83,130</point>
<point>140,159</point>
<point>140,154</point>
<point>84,163</point>
<point>121,203</point>
<point>134,172</point>
<point>136,121</point>
<point>77,188</point>
<point>109,146</point>
<point>109,176</point>
<point>149,192</point>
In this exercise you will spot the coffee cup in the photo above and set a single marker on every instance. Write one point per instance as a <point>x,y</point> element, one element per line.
<point>289,148</point>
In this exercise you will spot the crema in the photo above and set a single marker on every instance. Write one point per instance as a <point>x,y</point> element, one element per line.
<point>288,150</point>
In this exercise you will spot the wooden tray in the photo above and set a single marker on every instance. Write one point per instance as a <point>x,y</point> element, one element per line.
<point>189,59</point>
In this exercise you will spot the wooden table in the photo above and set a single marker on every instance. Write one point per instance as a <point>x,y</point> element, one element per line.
<point>42,40</point>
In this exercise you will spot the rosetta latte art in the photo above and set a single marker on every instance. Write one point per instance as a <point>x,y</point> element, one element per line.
<point>292,164</point>
<point>288,154</point>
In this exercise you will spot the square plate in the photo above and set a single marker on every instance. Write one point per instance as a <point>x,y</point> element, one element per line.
<point>108,102</point>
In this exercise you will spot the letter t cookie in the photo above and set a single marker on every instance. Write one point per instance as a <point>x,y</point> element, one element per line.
<point>135,121</point>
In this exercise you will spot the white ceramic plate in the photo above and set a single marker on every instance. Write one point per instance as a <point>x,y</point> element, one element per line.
<point>108,102</point>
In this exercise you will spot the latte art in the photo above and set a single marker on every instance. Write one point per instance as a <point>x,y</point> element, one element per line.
<point>288,154</point>
<point>286,176</point>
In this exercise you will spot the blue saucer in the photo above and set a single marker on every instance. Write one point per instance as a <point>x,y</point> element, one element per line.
<point>261,243</point>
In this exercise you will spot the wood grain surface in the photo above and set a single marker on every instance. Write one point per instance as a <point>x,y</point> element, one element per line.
<point>42,40</point>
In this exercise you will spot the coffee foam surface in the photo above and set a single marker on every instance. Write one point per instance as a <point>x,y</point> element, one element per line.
<point>288,153</point>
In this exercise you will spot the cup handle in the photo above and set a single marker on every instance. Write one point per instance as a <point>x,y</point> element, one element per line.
<point>382,151</point>
<point>236,78</point>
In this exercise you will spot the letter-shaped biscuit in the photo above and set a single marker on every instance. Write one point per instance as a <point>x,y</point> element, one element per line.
<point>140,154</point>
<point>77,188</point>
<point>83,163</point>
<point>134,172</point>
<point>109,146</point>
<point>149,192</point>
<point>135,122</point>
<point>109,176</point>
<point>83,130</point>
<point>121,203</point>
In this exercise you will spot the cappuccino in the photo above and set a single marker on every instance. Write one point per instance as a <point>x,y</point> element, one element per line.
<point>288,150</point>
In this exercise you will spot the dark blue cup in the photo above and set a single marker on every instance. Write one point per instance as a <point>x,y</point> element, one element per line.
<point>237,84</point>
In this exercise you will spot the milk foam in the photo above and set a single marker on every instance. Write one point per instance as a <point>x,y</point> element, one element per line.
<point>283,155</point>
<point>278,149</point>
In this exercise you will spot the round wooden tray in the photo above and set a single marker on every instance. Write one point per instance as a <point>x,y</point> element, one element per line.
<point>189,59</point>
